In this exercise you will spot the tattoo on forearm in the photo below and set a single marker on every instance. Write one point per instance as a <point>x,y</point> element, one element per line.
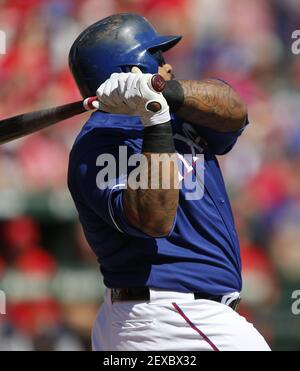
<point>153,210</point>
<point>212,103</point>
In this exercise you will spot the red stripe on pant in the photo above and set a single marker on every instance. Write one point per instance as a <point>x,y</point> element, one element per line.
<point>179,311</point>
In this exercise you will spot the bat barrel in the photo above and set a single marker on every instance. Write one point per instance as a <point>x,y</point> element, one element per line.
<point>28,123</point>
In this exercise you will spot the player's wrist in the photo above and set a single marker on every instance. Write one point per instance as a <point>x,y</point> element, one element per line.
<point>158,139</point>
<point>174,94</point>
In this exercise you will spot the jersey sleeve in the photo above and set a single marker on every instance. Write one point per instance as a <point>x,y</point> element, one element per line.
<point>218,142</point>
<point>103,198</point>
<point>221,143</point>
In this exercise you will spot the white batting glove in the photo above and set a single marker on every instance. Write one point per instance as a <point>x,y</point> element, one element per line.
<point>130,94</point>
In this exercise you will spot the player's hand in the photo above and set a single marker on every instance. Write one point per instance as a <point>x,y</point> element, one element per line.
<point>130,94</point>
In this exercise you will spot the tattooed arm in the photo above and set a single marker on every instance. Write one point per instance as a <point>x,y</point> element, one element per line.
<point>149,203</point>
<point>153,210</point>
<point>211,103</point>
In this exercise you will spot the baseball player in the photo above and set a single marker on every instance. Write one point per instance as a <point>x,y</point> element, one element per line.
<point>169,255</point>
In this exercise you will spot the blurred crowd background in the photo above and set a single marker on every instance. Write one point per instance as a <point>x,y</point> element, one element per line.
<point>46,268</point>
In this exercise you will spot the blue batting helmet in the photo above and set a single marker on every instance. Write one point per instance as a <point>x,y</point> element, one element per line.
<point>115,44</point>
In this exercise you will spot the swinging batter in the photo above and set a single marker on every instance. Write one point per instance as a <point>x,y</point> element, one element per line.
<point>169,255</point>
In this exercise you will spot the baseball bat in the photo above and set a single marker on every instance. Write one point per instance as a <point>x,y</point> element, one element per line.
<point>28,123</point>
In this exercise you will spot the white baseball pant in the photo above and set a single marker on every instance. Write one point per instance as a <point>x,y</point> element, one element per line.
<point>172,321</point>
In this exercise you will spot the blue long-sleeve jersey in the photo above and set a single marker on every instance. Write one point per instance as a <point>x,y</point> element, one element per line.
<point>201,253</point>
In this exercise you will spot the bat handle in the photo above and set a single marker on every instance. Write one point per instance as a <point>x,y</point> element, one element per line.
<point>88,103</point>
<point>157,83</point>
